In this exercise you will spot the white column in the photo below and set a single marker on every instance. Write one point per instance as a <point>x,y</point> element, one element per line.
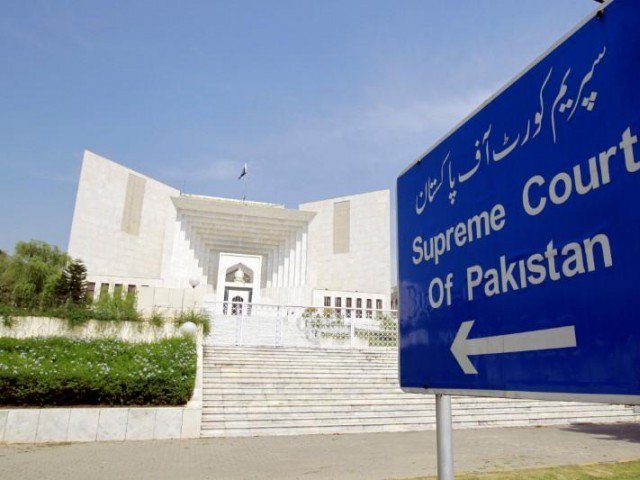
<point>303,259</point>
<point>274,268</point>
<point>206,267</point>
<point>280,267</point>
<point>195,266</point>
<point>296,280</point>
<point>186,239</point>
<point>269,270</point>
<point>198,258</point>
<point>292,261</point>
<point>285,253</point>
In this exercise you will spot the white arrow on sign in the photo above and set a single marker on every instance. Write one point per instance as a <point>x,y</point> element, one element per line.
<point>548,339</point>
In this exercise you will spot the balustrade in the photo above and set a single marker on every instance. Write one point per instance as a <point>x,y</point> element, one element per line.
<point>291,325</point>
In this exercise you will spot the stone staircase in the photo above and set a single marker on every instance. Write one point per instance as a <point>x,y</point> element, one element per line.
<point>289,391</point>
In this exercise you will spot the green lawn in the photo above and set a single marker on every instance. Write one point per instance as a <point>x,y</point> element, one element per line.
<point>617,471</point>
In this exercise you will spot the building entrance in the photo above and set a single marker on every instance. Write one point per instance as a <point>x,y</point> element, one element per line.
<point>237,300</point>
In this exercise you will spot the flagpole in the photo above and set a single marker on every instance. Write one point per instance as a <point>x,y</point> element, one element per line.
<point>244,190</point>
<point>243,177</point>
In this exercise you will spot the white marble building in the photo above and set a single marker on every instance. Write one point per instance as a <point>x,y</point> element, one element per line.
<point>134,232</point>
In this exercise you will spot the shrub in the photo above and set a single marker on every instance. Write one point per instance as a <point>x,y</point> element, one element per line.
<point>156,318</point>
<point>74,314</point>
<point>199,318</point>
<point>115,307</point>
<point>60,371</point>
<point>7,320</point>
<point>308,312</point>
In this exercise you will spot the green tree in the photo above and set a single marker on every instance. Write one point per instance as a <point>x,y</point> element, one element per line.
<point>5,291</point>
<point>29,277</point>
<point>72,284</point>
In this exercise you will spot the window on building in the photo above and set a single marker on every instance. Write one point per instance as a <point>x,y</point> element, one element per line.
<point>131,290</point>
<point>327,301</point>
<point>378,304</point>
<point>369,307</point>
<point>117,290</point>
<point>338,302</point>
<point>104,289</point>
<point>349,305</point>
<point>341,226</point>
<point>358,307</point>
<point>91,290</point>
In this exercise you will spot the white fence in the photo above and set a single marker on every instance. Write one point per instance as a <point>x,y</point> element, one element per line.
<point>285,325</point>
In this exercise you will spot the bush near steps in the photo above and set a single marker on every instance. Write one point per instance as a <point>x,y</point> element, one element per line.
<point>63,372</point>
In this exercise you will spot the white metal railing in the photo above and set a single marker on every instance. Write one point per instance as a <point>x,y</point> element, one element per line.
<point>289,325</point>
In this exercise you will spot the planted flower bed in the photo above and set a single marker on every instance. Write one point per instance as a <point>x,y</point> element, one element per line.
<point>63,372</point>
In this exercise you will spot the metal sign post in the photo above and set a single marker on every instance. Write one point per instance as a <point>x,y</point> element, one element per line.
<point>444,437</point>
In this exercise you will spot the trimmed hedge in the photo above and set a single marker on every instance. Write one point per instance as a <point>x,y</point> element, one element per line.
<point>60,372</point>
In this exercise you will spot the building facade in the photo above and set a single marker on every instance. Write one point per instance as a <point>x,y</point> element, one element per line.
<point>134,232</point>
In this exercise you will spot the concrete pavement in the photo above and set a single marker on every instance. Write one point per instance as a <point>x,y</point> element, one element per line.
<point>356,456</point>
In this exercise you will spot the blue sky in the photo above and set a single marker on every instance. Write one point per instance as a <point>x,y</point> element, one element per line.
<point>321,98</point>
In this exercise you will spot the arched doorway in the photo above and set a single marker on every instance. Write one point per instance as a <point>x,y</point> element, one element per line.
<point>238,291</point>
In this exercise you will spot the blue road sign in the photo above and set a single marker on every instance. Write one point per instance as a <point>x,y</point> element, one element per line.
<point>519,232</point>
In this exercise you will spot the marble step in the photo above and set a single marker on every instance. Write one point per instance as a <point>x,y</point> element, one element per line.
<point>235,421</point>
<point>310,408</point>
<point>295,375</point>
<point>242,400</point>
<point>386,405</point>
<point>258,360</point>
<point>317,430</point>
<point>286,389</point>
<point>395,427</point>
<point>419,415</point>
<point>305,380</point>
<point>299,352</point>
<point>345,354</point>
<point>289,391</point>
<point>256,370</point>
<point>293,360</point>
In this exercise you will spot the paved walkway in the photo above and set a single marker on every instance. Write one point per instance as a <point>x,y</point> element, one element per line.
<point>356,456</point>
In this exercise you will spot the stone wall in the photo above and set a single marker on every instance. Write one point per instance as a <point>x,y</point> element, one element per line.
<point>47,425</point>
<point>27,327</point>
<point>90,424</point>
